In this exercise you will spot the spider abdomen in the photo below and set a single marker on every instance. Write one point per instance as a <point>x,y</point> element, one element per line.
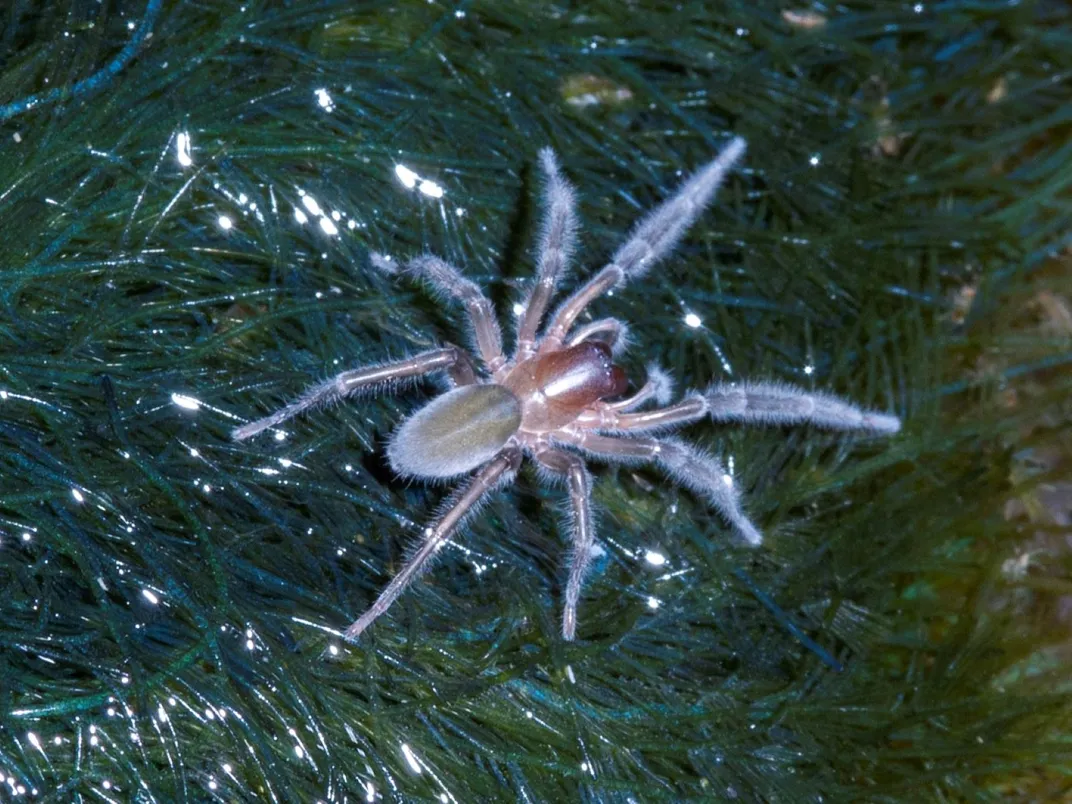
<point>455,432</point>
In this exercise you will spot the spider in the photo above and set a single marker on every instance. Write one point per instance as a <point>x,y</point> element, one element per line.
<point>560,398</point>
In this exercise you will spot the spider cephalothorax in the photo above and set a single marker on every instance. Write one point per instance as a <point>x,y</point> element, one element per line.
<point>558,399</point>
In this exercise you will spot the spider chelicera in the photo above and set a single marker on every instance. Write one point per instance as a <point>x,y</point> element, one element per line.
<point>559,398</point>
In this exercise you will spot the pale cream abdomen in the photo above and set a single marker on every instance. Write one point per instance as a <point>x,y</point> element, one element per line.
<point>456,432</point>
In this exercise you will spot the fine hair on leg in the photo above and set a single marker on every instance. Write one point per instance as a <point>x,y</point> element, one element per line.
<point>368,378</point>
<point>658,233</point>
<point>654,237</point>
<point>464,503</point>
<point>558,241</point>
<point>689,466</point>
<point>581,529</point>
<point>448,281</point>
<point>776,403</point>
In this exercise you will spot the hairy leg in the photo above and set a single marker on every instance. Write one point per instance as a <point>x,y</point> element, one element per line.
<point>653,238</point>
<point>659,386</point>
<point>582,531</point>
<point>749,403</point>
<point>448,280</point>
<point>557,243</point>
<point>591,290</point>
<point>687,465</point>
<point>492,474</point>
<point>450,358</point>
<point>605,417</point>
<point>779,404</point>
<point>610,330</point>
<point>659,231</point>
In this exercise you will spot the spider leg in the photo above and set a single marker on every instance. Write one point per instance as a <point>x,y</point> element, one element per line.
<point>659,386</point>
<point>582,531</point>
<point>779,404</point>
<point>687,465</point>
<point>450,358</point>
<point>611,330</point>
<point>653,238</point>
<point>448,280</point>
<point>497,471</point>
<point>605,417</point>
<point>747,403</point>
<point>591,290</point>
<point>557,243</point>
